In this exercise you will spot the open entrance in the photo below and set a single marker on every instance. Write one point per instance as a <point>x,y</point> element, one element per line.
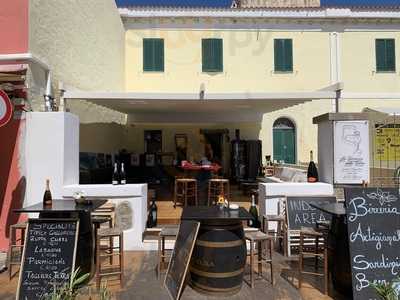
<point>284,140</point>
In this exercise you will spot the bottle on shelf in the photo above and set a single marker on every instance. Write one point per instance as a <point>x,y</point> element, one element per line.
<point>47,198</point>
<point>123,174</point>
<point>254,222</point>
<point>115,176</point>
<point>152,217</point>
<point>312,172</point>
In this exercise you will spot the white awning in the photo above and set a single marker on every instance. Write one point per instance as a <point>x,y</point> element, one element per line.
<point>194,107</point>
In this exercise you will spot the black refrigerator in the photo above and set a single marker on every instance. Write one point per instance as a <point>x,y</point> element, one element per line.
<point>246,159</point>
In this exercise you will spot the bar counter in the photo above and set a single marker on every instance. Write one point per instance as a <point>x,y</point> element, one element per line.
<point>219,255</point>
<point>62,209</point>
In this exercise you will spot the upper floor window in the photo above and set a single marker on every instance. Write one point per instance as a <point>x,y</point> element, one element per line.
<point>212,56</point>
<point>385,55</point>
<point>283,55</point>
<point>153,55</point>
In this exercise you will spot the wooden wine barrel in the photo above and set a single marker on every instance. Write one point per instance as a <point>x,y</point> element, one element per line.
<point>219,258</point>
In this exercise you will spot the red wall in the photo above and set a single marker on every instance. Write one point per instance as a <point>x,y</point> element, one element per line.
<point>12,183</point>
<point>14,26</point>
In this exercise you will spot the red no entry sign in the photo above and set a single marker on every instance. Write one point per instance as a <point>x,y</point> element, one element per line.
<point>6,108</point>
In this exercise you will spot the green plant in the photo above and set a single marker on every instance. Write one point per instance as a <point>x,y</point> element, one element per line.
<point>67,291</point>
<point>104,292</point>
<point>386,291</point>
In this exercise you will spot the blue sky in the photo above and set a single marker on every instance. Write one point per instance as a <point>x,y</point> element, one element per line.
<point>227,2</point>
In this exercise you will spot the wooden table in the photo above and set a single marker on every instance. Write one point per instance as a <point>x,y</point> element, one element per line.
<point>338,243</point>
<point>65,209</point>
<point>219,255</point>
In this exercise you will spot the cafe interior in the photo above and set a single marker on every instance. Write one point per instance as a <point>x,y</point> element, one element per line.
<point>219,160</point>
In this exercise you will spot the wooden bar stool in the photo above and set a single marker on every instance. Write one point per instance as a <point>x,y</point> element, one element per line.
<point>16,246</point>
<point>185,191</point>
<point>166,233</point>
<point>98,221</point>
<point>259,239</point>
<point>313,251</point>
<point>115,248</point>
<point>280,233</point>
<point>217,187</point>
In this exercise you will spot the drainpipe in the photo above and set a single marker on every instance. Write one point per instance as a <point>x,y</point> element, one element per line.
<point>335,67</point>
<point>49,104</point>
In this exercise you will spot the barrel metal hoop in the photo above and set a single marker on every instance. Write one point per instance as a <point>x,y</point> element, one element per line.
<point>216,275</point>
<point>227,244</point>
<point>221,227</point>
<point>214,289</point>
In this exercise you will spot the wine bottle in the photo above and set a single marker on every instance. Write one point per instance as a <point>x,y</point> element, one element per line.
<point>47,198</point>
<point>123,175</point>
<point>254,213</point>
<point>312,172</point>
<point>152,217</point>
<point>115,175</point>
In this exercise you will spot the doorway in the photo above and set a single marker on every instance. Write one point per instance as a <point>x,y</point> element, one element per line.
<point>216,141</point>
<point>284,141</point>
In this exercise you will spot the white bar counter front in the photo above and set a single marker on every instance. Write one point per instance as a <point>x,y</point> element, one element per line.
<point>134,197</point>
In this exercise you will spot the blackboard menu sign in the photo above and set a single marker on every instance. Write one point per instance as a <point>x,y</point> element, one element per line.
<point>300,213</point>
<point>373,222</point>
<point>48,257</point>
<point>180,260</point>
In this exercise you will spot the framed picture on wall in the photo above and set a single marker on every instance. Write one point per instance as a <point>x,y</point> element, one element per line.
<point>135,160</point>
<point>150,160</point>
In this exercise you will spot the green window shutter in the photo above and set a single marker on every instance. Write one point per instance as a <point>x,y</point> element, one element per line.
<point>283,55</point>
<point>218,55</point>
<point>380,55</point>
<point>288,45</point>
<point>159,55</point>
<point>153,55</point>
<point>390,55</point>
<point>385,55</point>
<point>212,55</point>
<point>206,54</point>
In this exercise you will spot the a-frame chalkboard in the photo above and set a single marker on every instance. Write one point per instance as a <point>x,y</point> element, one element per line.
<point>180,260</point>
<point>373,222</point>
<point>48,258</point>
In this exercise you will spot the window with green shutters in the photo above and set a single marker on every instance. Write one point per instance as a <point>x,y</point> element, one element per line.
<point>385,55</point>
<point>283,55</point>
<point>153,55</point>
<point>212,55</point>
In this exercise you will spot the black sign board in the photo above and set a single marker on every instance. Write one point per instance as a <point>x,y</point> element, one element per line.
<point>48,258</point>
<point>301,214</point>
<point>180,260</point>
<point>373,222</point>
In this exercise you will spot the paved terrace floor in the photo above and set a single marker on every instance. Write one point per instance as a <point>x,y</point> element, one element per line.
<point>141,283</point>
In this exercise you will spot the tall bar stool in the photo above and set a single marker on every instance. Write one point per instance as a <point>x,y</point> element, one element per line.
<point>110,243</point>
<point>185,191</point>
<point>166,233</point>
<point>313,235</point>
<point>218,187</point>
<point>114,249</point>
<point>103,215</point>
<point>280,233</point>
<point>16,246</point>
<point>263,242</point>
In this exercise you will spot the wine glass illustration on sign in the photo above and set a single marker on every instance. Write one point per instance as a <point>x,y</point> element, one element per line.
<point>352,136</point>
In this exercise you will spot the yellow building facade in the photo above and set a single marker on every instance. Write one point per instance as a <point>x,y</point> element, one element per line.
<point>329,46</point>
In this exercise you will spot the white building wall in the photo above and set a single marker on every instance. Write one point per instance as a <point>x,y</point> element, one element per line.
<point>83,42</point>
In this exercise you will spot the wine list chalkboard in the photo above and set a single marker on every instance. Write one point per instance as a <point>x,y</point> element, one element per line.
<point>180,260</point>
<point>373,222</point>
<point>300,213</point>
<point>48,258</point>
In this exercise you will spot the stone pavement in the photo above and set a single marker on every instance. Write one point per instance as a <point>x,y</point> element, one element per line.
<point>141,283</point>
